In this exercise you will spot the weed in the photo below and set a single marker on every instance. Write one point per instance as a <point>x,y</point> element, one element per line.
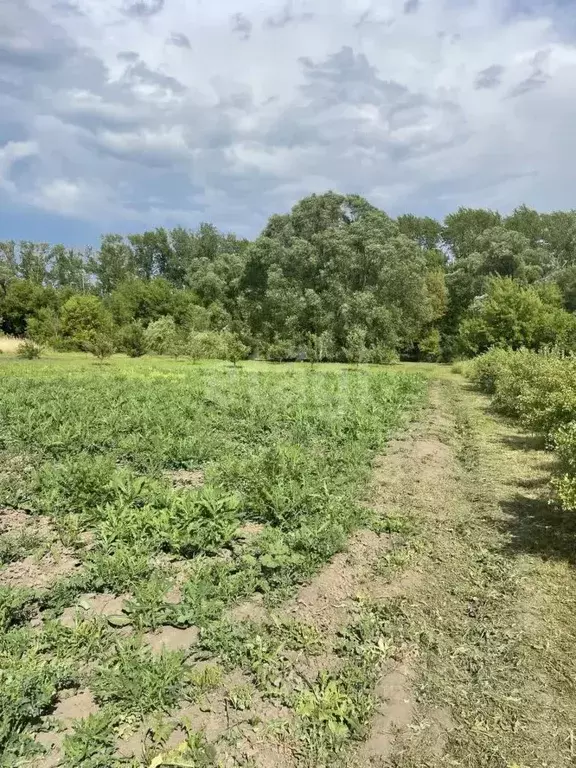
<point>18,545</point>
<point>16,606</point>
<point>29,350</point>
<point>91,744</point>
<point>240,697</point>
<point>133,680</point>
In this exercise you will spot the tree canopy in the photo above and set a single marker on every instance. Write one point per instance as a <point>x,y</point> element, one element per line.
<point>333,272</point>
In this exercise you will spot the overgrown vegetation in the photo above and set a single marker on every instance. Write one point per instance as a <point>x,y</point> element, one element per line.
<point>539,390</point>
<point>94,452</point>
<point>335,279</point>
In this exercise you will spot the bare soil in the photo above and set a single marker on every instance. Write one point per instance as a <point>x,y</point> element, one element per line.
<point>187,478</point>
<point>91,604</point>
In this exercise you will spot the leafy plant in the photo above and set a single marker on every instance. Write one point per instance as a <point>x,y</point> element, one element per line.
<point>132,340</point>
<point>134,680</point>
<point>101,346</point>
<point>29,350</point>
<point>92,743</point>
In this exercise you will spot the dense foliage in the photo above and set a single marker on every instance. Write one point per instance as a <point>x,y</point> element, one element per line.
<point>540,390</point>
<point>335,276</point>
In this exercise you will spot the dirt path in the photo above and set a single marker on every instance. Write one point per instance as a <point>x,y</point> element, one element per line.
<point>485,674</point>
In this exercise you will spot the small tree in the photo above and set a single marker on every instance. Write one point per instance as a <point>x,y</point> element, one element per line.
<point>29,350</point>
<point>235,349</point>
<point>281,350</point>
<point>383,355</point>
<point>83,317</point>
<point>132,340</point>
<point>355,350</point>
<point>208,345</point>
<point>43,328</point>
<point>194,347</point>
<point>318,346</point>
<point>100,346</point>
<point>162,337</point>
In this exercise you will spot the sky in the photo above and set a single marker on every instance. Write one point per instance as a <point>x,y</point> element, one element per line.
<point>123,115</point>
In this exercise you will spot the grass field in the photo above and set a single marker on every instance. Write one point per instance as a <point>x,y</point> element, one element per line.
<point>151,512</point>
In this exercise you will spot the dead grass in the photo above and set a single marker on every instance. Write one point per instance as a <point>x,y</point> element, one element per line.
<point>9,344</point>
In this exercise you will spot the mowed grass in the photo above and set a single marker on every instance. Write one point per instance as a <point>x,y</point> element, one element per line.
<point>186,489</point>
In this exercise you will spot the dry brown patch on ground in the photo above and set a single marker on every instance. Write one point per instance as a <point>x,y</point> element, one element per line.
<point>326,602</point>
<point>18,521</point>
<point>71,705</point>
<point>40,573</point>
<point>186,478</point>
<point>50,560</point>
<point>92,604</point>
<point>171,639</point>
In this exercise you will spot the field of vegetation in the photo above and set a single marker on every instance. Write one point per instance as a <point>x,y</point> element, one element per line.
<point>149,511</point>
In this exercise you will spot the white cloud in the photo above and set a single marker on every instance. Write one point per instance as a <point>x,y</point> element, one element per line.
<point>161,112</point>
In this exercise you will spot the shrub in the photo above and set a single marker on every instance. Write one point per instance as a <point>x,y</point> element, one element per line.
<point>485,371</point>
<point>516,316</point>
<point>383,356</point>
<point>236,350</point>
<point>100,346</point>
<point>281,351</point>
<point>429,346</point>
<point>162,336</point>
<point>29,350</point>
<point>540,390</point>
<point>44,328</point>
<point>208,345</point>
<point>82,318</point>
<point>356,345</point>
<point>319,346</point>
<point>132,340</point>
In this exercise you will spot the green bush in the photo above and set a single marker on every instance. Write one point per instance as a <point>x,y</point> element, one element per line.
<point>29,350</point>
<point>516,316</point>
<point>540,390</point>
<point>100,346</point>
<point>488,369</point>
<point>281,351</point>
<point>162,337</point>
<point>209,345</point>
<point>82,318</point>
<point>383,356</point>
<point>132,340</point>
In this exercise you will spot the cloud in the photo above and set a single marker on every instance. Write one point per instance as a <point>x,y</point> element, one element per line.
<point>66,7</point>
<point>411,6</point>
<point>180,40</point>
<point>241,25</point>
<point>287,16</point>
<point>10,154</point>
<point>491,77</point>
<point>143,9</point>
<point>110,116</point>
<point>537,77</point>
<point>129,56</point>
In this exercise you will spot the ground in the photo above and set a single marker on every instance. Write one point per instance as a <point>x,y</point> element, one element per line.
<point>442,636</point>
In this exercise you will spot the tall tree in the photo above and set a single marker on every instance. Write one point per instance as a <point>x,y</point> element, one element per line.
<point>463,227</point>
<point>113,263</point>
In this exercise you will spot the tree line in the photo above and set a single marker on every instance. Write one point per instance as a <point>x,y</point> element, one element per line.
<point>334,279</point>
